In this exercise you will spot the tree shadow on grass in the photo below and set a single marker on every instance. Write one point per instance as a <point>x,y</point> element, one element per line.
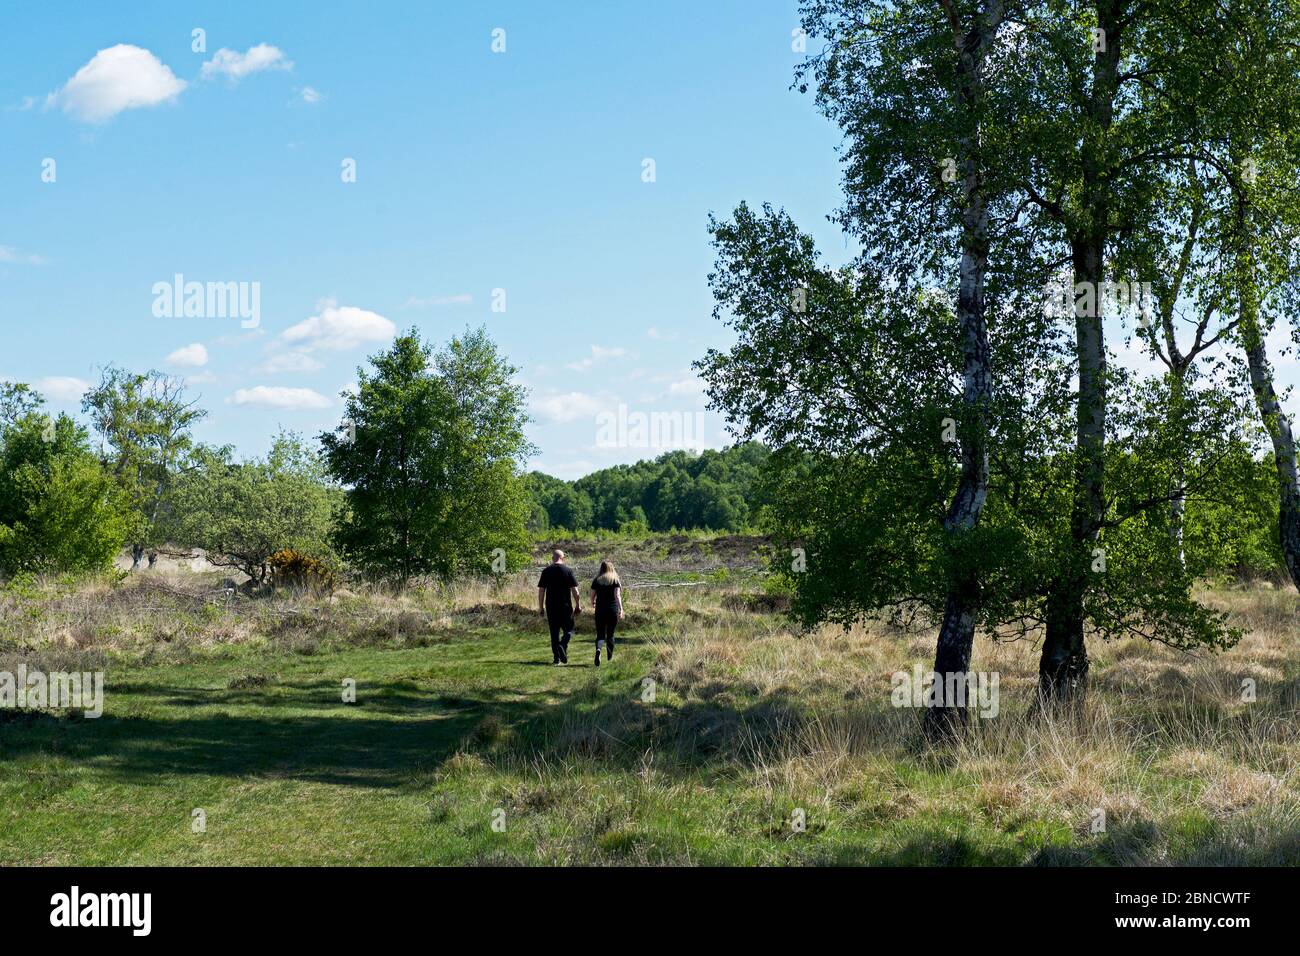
<point>402,697</point>
<point>391,734</point>
<point>395,732</point>
<point>932,846</point>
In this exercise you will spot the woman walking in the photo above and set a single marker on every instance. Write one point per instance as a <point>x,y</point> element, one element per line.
<point>607,604</point>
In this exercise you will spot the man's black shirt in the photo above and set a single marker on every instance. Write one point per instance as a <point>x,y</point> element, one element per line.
<point>557,579</point>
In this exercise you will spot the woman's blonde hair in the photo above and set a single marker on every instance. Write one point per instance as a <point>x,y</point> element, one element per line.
<point>607,574</point>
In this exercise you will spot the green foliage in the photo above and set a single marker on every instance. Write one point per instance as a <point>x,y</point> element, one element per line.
<point>241,513</point>
<point>556,504</point>
<point>17,400</point>
<point>1231,532</point>
<point>779,585</point>
<point>58,510</point>
<point>429,455</point>
<point>143,421</point>
<point>635,526</point>
<point>714,490</point>
<point>856,385</point>
<point>868,546</point>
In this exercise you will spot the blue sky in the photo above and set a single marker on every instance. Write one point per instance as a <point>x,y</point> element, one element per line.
<point>475,171</point>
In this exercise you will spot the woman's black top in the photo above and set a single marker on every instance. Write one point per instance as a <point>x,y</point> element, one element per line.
<point>607,597</point>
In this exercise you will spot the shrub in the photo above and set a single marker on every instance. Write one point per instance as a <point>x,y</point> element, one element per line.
<point>294,569</point>
<point>59,512</point>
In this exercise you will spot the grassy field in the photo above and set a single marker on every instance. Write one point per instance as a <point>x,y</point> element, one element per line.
<point>234,706</point>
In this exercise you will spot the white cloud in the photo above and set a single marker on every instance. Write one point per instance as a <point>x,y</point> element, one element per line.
<point>290,362</point>
<point>62,388</point>
<point>10,254</point>
<point>339,327</point>
<point>598,354</point>
<point>568,407</point>
<point>236,65</point>
<point>692,387</point>
<point>189,356</point>
<point>309,94</point>
<point>122,77</point>
<point>278,396</point>
<point>658,336</point>
<point>463,298</point>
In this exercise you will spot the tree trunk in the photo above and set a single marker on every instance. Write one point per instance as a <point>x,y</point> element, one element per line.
<point>952,656</point>
<point>1279,431</point>
<point>1178,370</point>
<point>957,632</point>
<point>1063,668</point>
<point>1177,509</point>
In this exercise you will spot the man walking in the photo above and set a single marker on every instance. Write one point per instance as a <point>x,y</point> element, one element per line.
<point>557,601</point>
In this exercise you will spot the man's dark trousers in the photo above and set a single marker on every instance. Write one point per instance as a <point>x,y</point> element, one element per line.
<point>561,623</point>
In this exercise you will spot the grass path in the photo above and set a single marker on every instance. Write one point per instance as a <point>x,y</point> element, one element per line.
<point>282,768</point>
<point>285,772</point>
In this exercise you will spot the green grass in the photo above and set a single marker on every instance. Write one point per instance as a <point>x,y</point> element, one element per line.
<point>465,722</point>
<point>413,772</point>
<point>284,770</point>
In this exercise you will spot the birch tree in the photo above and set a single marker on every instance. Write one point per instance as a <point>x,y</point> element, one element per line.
<point>925,193</point>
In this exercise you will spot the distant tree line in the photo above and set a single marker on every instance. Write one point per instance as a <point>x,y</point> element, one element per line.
<point>712,490</point>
